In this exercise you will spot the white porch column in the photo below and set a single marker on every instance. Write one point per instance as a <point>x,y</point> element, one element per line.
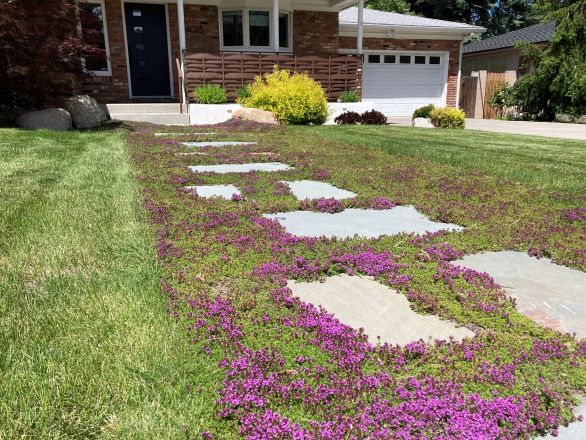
<point>181,24</point>
<point>182,47</point>
<point>360,26</point>
<point>276,25</point>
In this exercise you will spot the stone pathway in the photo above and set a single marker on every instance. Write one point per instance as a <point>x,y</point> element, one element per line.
<point>368,223</point>
<point>241,167</point>
<point>361,302</point>
<point>312,189</point>
<point>550,294</point>
<point>215,144</point>
<point>222,191</point>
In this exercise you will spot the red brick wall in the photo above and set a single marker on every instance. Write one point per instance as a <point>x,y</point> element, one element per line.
<point>315,33</point>
<point>202,32</point>
<point>451,46</point>
<point>112,88</point>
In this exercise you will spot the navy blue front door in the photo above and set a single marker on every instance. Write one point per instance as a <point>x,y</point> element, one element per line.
<point>148,50</point>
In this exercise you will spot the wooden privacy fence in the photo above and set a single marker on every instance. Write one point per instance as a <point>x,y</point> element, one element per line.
<point>493,81</point>
<point>476,91</point>
<point>468,87</point>
<point>231,71</point>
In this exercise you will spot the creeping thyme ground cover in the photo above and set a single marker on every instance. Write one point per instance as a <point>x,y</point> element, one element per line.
<point>285,369</point>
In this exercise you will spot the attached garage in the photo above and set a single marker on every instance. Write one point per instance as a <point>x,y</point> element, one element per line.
<point>409,61</point>
<point>400,82</point>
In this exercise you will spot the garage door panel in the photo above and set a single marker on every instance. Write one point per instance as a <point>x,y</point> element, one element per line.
<point>399,89</point>
<point>414,91</point>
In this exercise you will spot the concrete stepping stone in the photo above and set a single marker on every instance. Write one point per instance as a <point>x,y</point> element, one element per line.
<point>312,189</point>
<point>215,144</point>
<point>241,167</point>
<point>198,153</point>
<point>184,134</point>
<point>208,191</point>
<point>369,223</point>
<point>361,302</point>
<point>552,295</point>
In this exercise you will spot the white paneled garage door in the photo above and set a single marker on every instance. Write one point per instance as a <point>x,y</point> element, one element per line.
<point>398,83</point>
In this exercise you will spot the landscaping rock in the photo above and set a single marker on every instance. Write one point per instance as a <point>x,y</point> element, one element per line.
<point>50,118</point>
<point>422,123</point>
<point>256,115</point>
<point>581,119</point>
<point>85,111</point>
<point>564,117</point>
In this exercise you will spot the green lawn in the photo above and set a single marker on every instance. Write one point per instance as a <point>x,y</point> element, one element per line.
<point>86,347</point>
<point>548,163</point>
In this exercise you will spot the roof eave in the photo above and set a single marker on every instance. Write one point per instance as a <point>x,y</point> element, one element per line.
<point>451,30</point>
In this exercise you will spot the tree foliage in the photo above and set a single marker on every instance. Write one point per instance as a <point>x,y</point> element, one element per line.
<point>557,80</point>
<point>399,6</point>
<point>40,50</point>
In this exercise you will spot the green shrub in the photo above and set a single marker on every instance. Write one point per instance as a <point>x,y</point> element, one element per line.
<point>293,98</point>
<point>423,112</point>
<point>349,96</point>
<point>210,94</point>
<point>447,117</point>
<point>242,93</point>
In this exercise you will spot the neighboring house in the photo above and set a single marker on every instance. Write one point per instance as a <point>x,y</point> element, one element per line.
<point>494,61</point>
<point>408,61</point>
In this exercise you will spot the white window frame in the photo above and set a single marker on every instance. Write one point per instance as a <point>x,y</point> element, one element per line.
<point>246,47</point>
<point>106,41</point>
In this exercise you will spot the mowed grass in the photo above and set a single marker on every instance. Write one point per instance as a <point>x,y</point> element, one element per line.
<point>86,347</point>
<point>547,163</point>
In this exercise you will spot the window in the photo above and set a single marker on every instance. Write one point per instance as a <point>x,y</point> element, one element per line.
<point>251,29</point>
<point>284,30</point>
<point>373,59</point>
<point>232,28</point>
<point>258,22</point>
<point>92,25</point>
<point>405,59</point>
<point>390,59</point>
<point>419,59</point>
<point>434,60</point>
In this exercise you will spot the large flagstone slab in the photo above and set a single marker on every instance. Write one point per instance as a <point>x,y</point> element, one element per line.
<point>553,295</point>
<point>369,223</point>
<point>207,191</point>
<point>241,167</point>
<point>313,189</point>
<point>361,302</point>
<point>216,144</point>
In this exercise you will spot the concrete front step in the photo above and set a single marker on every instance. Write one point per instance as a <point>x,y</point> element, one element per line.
<point>171,107</point>
<point>154,118</point>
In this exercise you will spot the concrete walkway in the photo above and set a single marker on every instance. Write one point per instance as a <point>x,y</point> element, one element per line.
<point>547,129</point>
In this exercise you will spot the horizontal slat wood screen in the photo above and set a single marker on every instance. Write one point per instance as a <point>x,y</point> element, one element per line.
<point>336,74</point>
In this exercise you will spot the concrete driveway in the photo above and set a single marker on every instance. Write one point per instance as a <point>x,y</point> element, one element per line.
<point>547,129</point>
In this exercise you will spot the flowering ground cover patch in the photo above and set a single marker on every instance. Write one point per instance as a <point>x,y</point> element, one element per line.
<point>286,369</point>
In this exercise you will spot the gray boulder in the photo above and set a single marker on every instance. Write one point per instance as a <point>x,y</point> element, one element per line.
<point>581,119</point>
<point>85,111</point>
<point>564,117</point>
<point>50,118</point>
<point>422,123</point>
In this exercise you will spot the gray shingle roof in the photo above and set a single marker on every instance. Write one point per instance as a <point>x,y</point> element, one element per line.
<point>532,34</point>
<point>382,18</point>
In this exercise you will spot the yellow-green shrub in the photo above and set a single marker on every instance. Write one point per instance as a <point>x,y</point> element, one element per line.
<point>447,117</point>
<point>293,98</point>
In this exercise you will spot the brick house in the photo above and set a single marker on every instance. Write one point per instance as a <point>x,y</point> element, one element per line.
<point>157,51</point>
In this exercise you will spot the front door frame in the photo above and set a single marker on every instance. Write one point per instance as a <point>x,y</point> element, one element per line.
<point>172,89</point>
